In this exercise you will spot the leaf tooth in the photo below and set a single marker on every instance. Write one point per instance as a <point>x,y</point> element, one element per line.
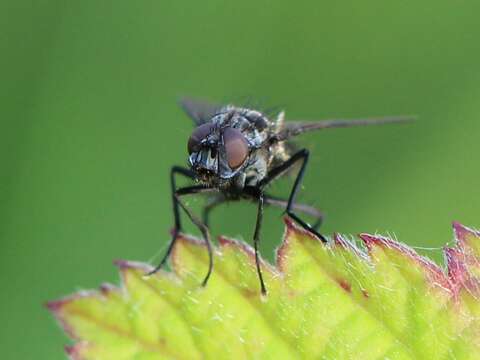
<point>467,239</point>
<point>434,272</point>
<point>107,288</point>
<point>193,240</point>
<point>229,243</point>
<point>74,352</point>
<point>57,308</point>
<point>457,270</point>
<point>226,242</point>
<point>343,243</point>
<point>56,305</point>
<point>455,264</point>
<point>175,260</point>
<point>196,253</point>
<point>462,231</point>
<point>462,269</point>
<point>291,230</point>
<point>464,259</point>
<point>291,226</point>
<point>141,270</point>
<point>127,264</point>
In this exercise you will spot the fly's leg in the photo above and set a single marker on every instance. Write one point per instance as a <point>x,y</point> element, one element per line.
<point>300,156</point>
<point>303,208</point>
<point>256,193</point>
<point>176,213</point>
<point>189,190</point>
<point>198,223</point>
<point>256,241</point>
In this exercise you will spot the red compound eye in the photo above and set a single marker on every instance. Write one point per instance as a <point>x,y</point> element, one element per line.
<point>236,147</point>
<point>198,135</point>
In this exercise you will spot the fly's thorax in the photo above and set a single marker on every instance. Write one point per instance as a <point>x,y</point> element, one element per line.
<point>279,152</point>
<point>257,168</point>
<point>253,124</point>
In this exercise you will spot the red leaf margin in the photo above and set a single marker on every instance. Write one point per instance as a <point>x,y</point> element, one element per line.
<point>461,259</point>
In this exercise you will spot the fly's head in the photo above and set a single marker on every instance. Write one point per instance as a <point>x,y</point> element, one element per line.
<point>222,149</point>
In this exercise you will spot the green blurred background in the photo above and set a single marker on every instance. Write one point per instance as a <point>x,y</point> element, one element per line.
<point>90,128</point>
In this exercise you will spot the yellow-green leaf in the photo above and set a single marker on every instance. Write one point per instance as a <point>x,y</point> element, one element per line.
<point>332,301</point>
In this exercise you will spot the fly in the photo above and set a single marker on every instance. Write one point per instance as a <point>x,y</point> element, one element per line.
<point>234,154</point>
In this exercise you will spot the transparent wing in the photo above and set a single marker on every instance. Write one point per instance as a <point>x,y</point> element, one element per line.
<point>199,110</point>
<point>294,128</point>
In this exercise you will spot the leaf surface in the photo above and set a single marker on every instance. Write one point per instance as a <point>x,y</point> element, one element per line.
<point>335,301</point>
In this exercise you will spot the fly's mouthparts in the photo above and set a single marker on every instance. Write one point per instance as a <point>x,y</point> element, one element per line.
<point>204,172</point>
<point>213,152</point>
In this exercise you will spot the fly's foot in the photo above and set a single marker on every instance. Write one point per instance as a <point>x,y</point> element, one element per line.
<point>175,232</point>
<point>307,227</point>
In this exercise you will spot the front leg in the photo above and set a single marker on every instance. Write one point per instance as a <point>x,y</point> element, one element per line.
<point>175,170</point>
<point>189,190</point>
<point>198,223</point>
<point>302,156</point>
<point>256,240</point>
<point>256,194</point>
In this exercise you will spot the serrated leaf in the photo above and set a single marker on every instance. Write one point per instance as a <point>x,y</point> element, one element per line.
<point>331,301</point>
